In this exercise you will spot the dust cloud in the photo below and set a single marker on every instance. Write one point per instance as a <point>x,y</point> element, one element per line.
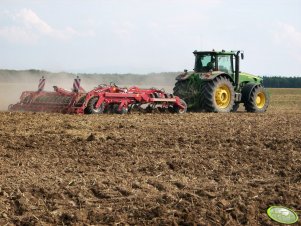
<point>13,83</point>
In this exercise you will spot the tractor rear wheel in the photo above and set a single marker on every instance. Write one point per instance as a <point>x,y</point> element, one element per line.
<point>91,109</point>
<point>187,91</point>
<point>217,95</point>
<point>258,100</point>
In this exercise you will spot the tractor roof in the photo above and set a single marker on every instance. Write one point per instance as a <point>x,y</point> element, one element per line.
<point>223,52</point>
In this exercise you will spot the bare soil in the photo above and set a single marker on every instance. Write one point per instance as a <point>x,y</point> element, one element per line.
<point>152,169</point>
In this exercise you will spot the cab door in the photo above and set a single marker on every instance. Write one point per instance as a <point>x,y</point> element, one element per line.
<point>225,64</point>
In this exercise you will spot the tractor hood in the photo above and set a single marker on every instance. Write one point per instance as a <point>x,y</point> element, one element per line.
<point>243,76</point>
<point>246,77</point>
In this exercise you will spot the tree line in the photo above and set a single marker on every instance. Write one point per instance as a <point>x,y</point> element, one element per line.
<point>281,82</point>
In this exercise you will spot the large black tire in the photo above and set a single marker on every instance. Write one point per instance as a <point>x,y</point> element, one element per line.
<point>90,109</point>
<point>217,95</point>
<point>188,92</point>
<point>255,98</point>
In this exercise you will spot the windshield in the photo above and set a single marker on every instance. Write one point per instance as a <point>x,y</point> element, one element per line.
<point>204,63</point>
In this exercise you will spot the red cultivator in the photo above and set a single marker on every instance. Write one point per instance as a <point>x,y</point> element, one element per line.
<point>104,98</point>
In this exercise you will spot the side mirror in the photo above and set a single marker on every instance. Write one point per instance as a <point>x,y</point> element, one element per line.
<point>242,56</point>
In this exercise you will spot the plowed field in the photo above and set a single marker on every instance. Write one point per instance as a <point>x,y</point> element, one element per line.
<point>202,168</point>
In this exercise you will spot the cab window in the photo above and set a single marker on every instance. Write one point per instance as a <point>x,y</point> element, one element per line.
<point>204,63</point>
<point>225,64</point>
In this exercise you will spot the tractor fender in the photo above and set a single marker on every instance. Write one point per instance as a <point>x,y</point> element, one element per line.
<point>183,76</point>
<point>247,90</point>
<point>212,75</point>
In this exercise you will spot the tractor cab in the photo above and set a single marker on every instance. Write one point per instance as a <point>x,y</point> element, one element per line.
<point>210,61</point>
<point>214,61</point>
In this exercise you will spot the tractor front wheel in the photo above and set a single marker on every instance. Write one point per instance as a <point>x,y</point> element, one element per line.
<point>258,100</point>
<point>217,95</point>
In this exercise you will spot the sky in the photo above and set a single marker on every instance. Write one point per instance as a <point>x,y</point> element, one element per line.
<point>142,36</point>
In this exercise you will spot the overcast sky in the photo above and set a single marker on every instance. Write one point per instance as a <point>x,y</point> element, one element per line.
<point>142,36</point>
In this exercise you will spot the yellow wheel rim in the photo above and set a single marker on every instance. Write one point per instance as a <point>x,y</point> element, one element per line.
<point>260,100</point>
<point>223,96</point>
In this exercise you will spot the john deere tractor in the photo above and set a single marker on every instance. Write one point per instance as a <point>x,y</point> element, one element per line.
<point>217,85</point>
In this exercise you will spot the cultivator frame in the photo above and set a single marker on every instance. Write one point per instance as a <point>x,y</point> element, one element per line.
<point>104,98</point>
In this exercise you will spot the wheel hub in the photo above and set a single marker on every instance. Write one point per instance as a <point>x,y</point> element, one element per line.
<point>222,96</point>
<point>260,100</point>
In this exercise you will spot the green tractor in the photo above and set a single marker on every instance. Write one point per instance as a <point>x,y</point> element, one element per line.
<point>217,85</point>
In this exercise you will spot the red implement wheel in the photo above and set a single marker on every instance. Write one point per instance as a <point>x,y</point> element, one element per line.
<point>91,109</point>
